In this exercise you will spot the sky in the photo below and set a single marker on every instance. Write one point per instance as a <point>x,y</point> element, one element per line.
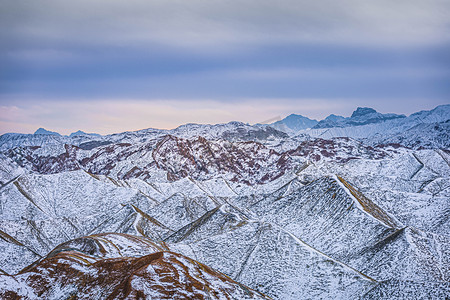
<point>109,66</point>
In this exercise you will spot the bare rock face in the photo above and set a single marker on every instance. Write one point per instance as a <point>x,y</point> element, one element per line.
<point>248,162</point>
<point>337,149</point>
<point>108,266</point>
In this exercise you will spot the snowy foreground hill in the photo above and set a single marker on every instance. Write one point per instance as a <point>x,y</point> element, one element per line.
<point>353,208</point>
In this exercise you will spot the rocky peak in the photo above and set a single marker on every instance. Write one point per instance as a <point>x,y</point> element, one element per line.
<point>361,111</point>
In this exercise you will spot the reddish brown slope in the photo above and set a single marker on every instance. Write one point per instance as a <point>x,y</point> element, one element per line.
<point>97,267</point>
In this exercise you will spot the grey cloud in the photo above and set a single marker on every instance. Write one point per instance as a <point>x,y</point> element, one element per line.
<point>225,49</point>
<point>199,24</point>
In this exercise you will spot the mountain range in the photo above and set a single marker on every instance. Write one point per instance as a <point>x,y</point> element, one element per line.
<point>344,208</point>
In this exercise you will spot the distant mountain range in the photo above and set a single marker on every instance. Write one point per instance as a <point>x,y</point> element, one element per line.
<point>73,134</point>
<point>361,116</point>
<point>294,123</point>
<point>364,124</point>
<point>343,208</point>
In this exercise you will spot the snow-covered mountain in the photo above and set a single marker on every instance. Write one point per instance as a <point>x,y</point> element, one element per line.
<point>384,130</point>
<point>45,131</point>
<point>230,211</point>
<point>119,266</point>
<point>361,116</point>
<point>294,122</point>
<point>82,133</point>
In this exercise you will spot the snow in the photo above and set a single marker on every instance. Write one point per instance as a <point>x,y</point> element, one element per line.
<point>302,234</point>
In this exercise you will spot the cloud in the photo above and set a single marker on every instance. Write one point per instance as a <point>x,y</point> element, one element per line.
<point>223,24</point>
<point>351,74</point>
<point>206,57</point>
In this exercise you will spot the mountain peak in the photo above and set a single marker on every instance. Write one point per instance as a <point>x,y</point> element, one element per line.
<point>45,131</point>
<point>82,133</point>
<point>334,118</point>
<point>361,111</point>
<point>361,116</point>
<point>79,132</point>
<point>296,122</point>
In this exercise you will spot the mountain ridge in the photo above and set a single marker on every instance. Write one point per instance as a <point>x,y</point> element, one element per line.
<point>292,123</point>
<point>357,212</point>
